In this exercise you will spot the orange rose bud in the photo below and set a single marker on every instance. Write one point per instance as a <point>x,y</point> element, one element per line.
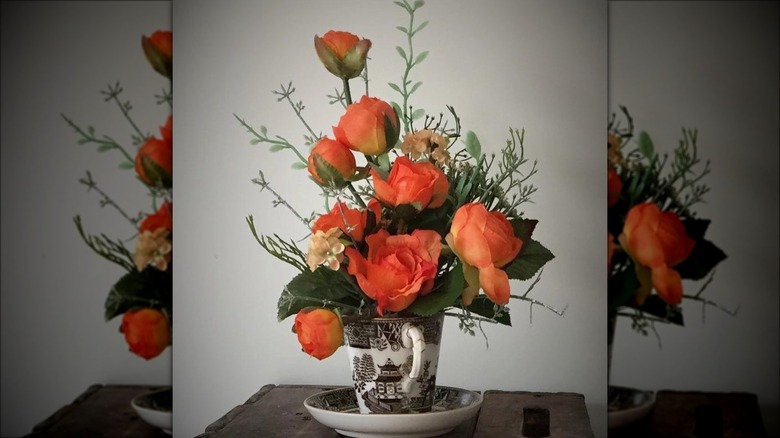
<point>342,53</point>
<point>154,160</point>
<point>331,163</point>
<point>163,218</point>
<point>158,49</point>
<point>356,220</point>
<point>485,241</point>
<point>614,187</point>
<point>146,331</point>
<point>319,332</point>
<point>398,268</point>
<point>420,184</point>
<point>657,241</point>
<point>369,126</point>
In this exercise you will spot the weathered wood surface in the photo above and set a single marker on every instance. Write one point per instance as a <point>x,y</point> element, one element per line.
<point>100,412</point>
<point>694,414</point>
<point>278,411</point>
<point>501,414</point>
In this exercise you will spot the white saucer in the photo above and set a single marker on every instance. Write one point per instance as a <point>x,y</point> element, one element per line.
<point>627,405</point>
<point>154,408</point>
<point>338,409</point>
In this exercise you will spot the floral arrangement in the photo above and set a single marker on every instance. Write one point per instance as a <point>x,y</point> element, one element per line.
<point>424,225</point>
<point>144,294</point>
<point>655,240</point>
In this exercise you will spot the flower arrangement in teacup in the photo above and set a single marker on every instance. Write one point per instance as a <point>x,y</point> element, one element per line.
<point>144,294</point>
<point>655,239</point>
<point>425,224</point>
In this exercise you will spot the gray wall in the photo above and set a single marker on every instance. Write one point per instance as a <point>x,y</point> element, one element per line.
<point>56,57</point>
<point>711,66</point>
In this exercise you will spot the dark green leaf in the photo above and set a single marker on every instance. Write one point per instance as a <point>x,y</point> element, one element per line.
<point>524,228</point>
<point>703,259</point>
<point>473,147</point>
<point>656,306</point>
<point>316,288</point>
<point>484,307</point>
<point>532,257</point>
<point>645,145</point>
<point>148,288</point>
<point>444,295</point>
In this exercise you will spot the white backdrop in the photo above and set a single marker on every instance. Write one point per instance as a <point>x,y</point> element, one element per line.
<point>711,66</point>
<point>533,64</point>
<point>56,57</point>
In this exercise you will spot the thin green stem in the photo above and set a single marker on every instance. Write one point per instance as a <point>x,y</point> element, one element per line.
<point>347,93</point>
<point>355,193</point>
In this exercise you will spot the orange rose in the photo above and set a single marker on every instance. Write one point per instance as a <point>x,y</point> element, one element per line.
<point>342,53</point>
<point>163,218</point>
<point>485,242</point>
<point>146,331</point>
<point>356,219</point>
<point>614,187</point>
<point>330,162</point>
<point>369,126</point>
<point>154,160</point>
<point>421,184</point>
<point>158,49</point>
<point>398,268</point>
<point>656,241</point>
<point>319,332</point>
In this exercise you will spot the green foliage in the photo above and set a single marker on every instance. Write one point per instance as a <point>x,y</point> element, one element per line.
<point>148,288</point>
<point>532,257</point>
<point>445,294</point>
<point>323,288</point>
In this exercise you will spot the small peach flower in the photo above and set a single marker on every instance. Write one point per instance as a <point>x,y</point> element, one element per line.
<point>426,143</point>
<point>153,248</point>
<point>342,53</point>
<point>319,332</point>
<point>325,248</point>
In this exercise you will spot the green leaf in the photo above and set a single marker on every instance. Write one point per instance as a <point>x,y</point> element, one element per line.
<point>254,141</point>
<point>420,27</point>
<point>443,296</point>
<point>126,165</point>
<point>394,87</point>
<point>645,145</point>
<point>401,52</point>
<point>148,288</point>
<point>418,113</point>
<point>298,165</point>
<point>532,257</point>
<point>276,148</point>
<point>316,288</point>
<point>415,87</point>
<point>402,29</point>
<point>421,57</point>
<point>105,147</point>
<point>523,228</point>
<point>473,147</point>
<point>703,259</point>
<point>484,307</point>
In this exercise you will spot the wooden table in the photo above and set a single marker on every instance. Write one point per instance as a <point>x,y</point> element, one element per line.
<point>102,411</point>
<point>278,411</point>
<point>693,414</point>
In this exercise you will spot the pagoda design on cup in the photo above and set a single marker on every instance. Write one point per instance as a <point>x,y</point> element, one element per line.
<point>394,362</point>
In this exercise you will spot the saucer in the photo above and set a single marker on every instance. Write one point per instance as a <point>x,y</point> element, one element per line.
<point>627,405</point>
<point>155,408</point>
<point>338,409</point>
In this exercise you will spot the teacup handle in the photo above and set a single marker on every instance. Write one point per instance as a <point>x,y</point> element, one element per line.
<point>418,346</point>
